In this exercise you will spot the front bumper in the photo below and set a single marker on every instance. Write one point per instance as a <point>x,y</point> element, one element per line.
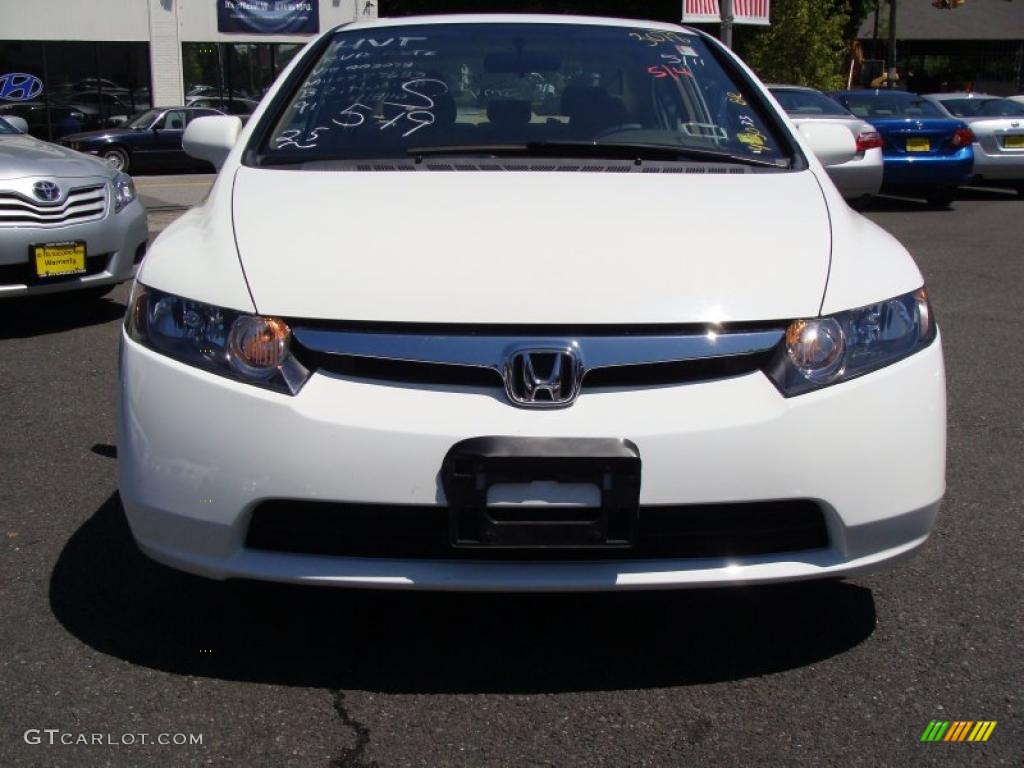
<point>117,240</point>
<point>197,453</point>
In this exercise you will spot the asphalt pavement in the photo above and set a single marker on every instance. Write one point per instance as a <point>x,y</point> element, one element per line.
<point>97,641</point>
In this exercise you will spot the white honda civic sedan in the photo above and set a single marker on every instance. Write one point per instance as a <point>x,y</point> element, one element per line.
<point>527,303</point>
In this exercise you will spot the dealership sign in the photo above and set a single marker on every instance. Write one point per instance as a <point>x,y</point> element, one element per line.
<point>268,17</point>
<point>19,86</point>
<point>709,12</point>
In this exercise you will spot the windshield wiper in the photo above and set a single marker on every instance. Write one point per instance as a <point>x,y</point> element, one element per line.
<point>623,150</point>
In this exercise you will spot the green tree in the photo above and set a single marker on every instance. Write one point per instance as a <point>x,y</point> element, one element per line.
<point>803,46</point>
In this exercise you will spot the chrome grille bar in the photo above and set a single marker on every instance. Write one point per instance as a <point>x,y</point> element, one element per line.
<point>493,351</point>
<point>81,205</point>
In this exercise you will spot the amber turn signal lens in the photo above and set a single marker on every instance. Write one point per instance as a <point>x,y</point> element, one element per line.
<point>258,345</point>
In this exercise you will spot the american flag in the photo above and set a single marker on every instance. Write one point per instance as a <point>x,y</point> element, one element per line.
<point>708,11</point>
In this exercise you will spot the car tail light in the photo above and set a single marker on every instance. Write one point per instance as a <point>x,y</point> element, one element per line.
<point>868,140</point>
<point>962,137</point>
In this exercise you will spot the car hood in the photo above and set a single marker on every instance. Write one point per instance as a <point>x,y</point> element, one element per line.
<point>532,247</point>
<point>23,155</point>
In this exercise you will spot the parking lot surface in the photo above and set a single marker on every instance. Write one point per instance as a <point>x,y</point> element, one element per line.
<point>98,640</point>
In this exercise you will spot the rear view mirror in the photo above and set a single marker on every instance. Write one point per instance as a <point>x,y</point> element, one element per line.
<point>17,123</point>
<point>212,138</point>
<point>832,144</point>
<point>519,63</point>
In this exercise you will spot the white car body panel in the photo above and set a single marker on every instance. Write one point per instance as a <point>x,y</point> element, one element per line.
<point>198,451</point>
<point>471,247</point>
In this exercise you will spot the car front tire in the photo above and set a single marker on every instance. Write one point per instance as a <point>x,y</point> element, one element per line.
<point>116,158</point>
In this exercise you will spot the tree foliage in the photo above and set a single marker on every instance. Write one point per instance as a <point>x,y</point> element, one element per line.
<point>803,46</point>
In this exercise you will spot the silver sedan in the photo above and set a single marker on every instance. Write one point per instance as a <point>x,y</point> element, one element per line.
<point>998,127</point>
<point>856,179</point>
<point>68,221</point>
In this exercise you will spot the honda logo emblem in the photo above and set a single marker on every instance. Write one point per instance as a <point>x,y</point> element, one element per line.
<point>544,378</point>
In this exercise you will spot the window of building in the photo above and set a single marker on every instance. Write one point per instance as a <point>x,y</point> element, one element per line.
<point>77,85</point>
<point>232,77</point>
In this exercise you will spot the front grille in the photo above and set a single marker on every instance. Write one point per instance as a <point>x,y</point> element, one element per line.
<point>478,357</point>
<point>22,274</point>
<point>645,375</point>
<point>740,529</point>
<point>81,205</point>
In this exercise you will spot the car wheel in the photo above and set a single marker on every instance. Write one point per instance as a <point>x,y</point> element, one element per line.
<point>116,158</point>
<point>941,198</point>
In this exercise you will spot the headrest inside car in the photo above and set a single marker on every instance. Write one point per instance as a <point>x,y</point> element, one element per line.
<point>509,112</point>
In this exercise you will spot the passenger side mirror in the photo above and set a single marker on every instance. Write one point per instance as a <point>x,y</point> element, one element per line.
<point>832,144</point>
<point>17,123</point>
<point>212,138</point>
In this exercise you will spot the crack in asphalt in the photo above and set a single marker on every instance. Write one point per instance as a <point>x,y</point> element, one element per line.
<point>353,756</point>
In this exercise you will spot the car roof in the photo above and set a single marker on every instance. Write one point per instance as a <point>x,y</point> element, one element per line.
<point>878,92</point>
<point>772,86</point>
<point>964,95</point>
<point>515,18</point>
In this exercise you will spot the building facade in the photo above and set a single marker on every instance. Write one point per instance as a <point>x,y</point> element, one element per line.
<point>977,45</point>
<point>71,65</point>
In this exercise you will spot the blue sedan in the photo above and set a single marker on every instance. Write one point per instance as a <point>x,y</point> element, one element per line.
<point>924,151</point>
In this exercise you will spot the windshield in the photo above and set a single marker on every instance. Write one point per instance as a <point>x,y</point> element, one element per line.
<point>983,107</point>
<point>870,106</point>
<point>807,103</point>
<point>143,119</point>
<point>389,91</point>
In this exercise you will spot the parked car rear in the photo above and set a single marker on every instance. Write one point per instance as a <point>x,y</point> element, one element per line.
<point>998,128</point>
<point>857,179</point>
<point>924,151</point>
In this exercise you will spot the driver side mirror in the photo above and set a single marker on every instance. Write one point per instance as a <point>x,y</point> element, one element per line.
<point>831,144</point>
<point>212,138</point>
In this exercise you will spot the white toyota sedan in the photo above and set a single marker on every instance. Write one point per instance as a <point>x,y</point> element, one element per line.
<point>527,303</point>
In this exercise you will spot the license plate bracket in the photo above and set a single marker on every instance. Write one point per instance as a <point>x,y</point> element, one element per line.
<point>472,466</point>
<point>56,260</point>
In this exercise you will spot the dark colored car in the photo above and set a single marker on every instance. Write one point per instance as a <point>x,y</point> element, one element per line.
<point>64,120</point>
<point>924,151</point>
<point>149,141</point>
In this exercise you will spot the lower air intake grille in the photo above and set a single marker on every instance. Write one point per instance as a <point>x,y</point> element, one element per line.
<point>421,532</point>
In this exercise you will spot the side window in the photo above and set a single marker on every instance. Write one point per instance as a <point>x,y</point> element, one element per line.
<point>172,121</point>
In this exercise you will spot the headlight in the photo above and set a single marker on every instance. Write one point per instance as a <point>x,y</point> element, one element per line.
<point>821,351</point>
<point>248,348</point>
<point>124,191</point>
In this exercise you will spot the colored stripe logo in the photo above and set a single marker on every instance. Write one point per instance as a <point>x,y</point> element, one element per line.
<point>958,730</point>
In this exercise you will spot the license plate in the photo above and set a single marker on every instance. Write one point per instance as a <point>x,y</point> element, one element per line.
<point>1013,142</point>
<point>918,145</point>
<point>540,493</point>
<point>59,259</point>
